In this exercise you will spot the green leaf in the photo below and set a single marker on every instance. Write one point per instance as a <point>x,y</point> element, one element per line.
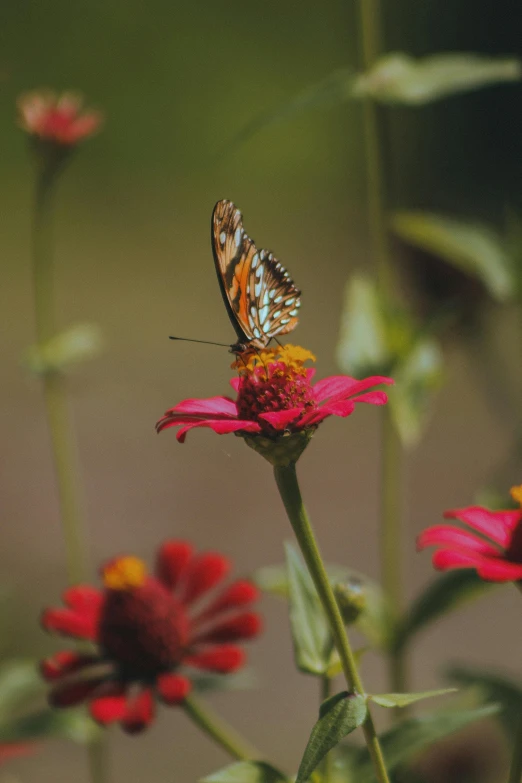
<point>404,699</point>
<point>475,249</point>
<point>375,621</point>
<point>399,78</point>
<point>334,89</point>
<point>443,595</point>
<point>363,343</point>
<point>338,717</point>
<point>46,723</point>
<point>247,772</point>
<point>496,687</point>
<point>20,684</point>
<point>76,344</point>
<point>417,378</point>
<point>406,739</point>
<point>311,635</point>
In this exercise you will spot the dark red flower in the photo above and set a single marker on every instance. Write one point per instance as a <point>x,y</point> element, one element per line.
<point>144,629</point>
<point>57,118</point>
<point>275,397</point>
<point>490,541</point>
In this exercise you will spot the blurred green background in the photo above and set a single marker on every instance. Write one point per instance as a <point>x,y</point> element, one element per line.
<point>177,81</point>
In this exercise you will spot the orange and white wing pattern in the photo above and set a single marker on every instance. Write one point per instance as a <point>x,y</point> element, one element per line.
<point>261,298</point>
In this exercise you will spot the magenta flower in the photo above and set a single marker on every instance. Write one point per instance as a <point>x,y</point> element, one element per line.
<point>490,542</point>
<point>275,397</point>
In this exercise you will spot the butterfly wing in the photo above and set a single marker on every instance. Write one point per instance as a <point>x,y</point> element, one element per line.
<point>261,298</point>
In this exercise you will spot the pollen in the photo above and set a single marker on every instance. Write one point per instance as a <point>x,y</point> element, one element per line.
<point>124,573</point>
<point>516,494</point>
<point>293,356</point>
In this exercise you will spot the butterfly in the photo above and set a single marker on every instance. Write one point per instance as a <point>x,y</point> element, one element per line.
<point>261,298</point>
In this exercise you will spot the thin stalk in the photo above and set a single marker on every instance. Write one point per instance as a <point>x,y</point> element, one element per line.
<point>370,42</point>
<point>219,731</point>
<point>391,566</point>
<point>326,766</point>
<point>62,442</point>
<point>97,755</point>
<point>515,772</point>
<point>286,479</point>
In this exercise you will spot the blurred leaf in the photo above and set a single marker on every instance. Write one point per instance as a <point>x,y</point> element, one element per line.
<point>443,595</point>
<point>493,687</point>
<point>20,685</point>
<point>247,772</point>
<point>334,89</point>
<point>49,723</point>
<point>311,635</point>
<point>375,621</point>
<point>406,739</point>
<point>417,378</point>
<point>471,247</point>
<point>72,346</point>
<point>338,717</point>
<point>243,680</point>
<point>404,699</point>
<point>399,78</point>
<point>363,346</point>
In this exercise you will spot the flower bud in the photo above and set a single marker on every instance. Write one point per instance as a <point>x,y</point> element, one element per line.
<point>351,599</point>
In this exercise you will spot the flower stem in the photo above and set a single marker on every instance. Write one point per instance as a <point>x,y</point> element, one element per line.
<point>326,766</point>
<point>286,479</point>
<point>515,772</point>
<point>97,751</point>
<point>222,734</point>
<point>62,442</point>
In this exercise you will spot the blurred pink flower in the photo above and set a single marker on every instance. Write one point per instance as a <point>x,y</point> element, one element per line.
<point>57,118</point>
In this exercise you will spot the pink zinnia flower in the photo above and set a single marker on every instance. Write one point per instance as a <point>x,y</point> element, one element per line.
<point>490,541</point>
<point>145,629</point>
<point>57,118</point>
<point>275,398</point>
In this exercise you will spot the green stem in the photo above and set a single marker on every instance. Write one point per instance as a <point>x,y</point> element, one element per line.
<point>62,442</point>
<point>370,35</point>
<point>515,772</point>
<point>326,766</point>
<point>219,731</point>
<point>97,758</point>
<point>286,479</point>
<point>390,537</point>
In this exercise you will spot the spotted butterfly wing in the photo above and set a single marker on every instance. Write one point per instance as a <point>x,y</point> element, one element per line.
<point>260,296</point>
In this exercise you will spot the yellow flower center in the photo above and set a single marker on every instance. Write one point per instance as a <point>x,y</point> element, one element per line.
<point>293,356</point>
<point>124,573</point>
<point>516,494</point>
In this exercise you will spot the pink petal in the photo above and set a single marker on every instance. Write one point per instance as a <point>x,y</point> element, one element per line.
<point>111,706</point>
<point>172,688</point>
<point>280,419</point>
<point>139,713</point>
<point>232,629</point>
<point>70,623</point>
<point>444,535</point>
<point>494,524</point>
<point>223,659</point>
<point>204,573</point>
<point>172,560</point>
<point>342,408</point>
<point>220,427</point>
<point>240,593</point>
<point>445,559</point>
<point>491,569</point>
<point>338,387</point>
<point>235,383</point>
<point>372,398</point>
<point>212,406</point>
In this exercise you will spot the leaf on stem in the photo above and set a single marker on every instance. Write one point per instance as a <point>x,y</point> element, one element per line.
<point>311,635</point>
<point>399,78</point>
<point>406,739</point>
<point>72,346</point>
<point>443,595</point>
<point>247,772</point>
<point>339,716</point>
<point>405,699</point>
<point>74,725</point>
<point>473,248</point>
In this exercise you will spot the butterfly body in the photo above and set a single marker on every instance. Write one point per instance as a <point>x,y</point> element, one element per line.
<point>262,300</point>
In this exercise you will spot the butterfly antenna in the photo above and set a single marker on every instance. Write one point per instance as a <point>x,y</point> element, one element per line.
<point>204,342</point>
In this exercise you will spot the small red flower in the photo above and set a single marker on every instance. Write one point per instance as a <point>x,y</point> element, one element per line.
<point>57,118</point>
<point>275,396</point>
<point>490,541</point>
<point>144,629</point>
